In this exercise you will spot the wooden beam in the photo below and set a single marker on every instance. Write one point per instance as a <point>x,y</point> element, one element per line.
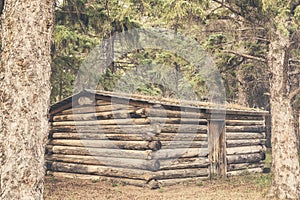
<point>217,148</point>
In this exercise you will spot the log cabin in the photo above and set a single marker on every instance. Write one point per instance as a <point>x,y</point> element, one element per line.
<point>152,142</point>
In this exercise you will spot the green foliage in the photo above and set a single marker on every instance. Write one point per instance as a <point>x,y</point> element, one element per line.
<point>108,80</point>
<point>264,181</point>
<point>297,14</point>
<point>180,14</point>
<point>155,73</point>
<point>268,159</point>
<point>214,42</point>
<point>80,26</point>
<point>199,183</point>
<point>71,42</point>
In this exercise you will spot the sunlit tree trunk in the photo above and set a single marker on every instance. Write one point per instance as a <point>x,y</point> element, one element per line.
<point>24,96</point>
<point>285,164</point>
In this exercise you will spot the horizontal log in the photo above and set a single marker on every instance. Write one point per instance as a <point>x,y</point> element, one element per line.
<point>101,129</point>
<point>131,121</point>
<point>130,137</point>
<point>152,112</point>
<point>85,100</point>
<point>153,184</point>
<point>183,128</point>
<point>243,117</point>
<point>249,142</point>
<point>177,120</point>
<point>116,153</point>
<point>245,128</point>
<point>183,144</point>
<point>117,114</point>
<point>180,173</point>
<point>99,136</point>
<point>170,182</point>
<point>131,128</point>
<point>183,163</point>
<point>247,112</point>
<point>124,101</point>
<point>147,103</point>
<point>182,137</point>
<point>180,153</point>
<point>238,172</point>
<point>93,109</point>
<point>245,158</point>
<point>244,122</point>
<point>241,166</point>
<point>101,101</point>
<point>59,109</point>
<point>139,183</point>
<point>244,135</point>
<point>245,150</point>
<point>101,170</point>
<point>151,165</point>
<point>131,145</point>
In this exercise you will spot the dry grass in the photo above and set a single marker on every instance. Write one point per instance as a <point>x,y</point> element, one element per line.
<point>240,187</point>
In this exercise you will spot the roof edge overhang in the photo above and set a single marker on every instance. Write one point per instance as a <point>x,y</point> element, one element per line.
<point>210,108</point>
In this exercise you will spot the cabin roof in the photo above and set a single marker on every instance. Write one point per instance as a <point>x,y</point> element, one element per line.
<point>67,102</point>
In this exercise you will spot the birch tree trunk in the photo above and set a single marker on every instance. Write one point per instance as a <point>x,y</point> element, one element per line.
<point>24,96</point>
<point>285,164</point>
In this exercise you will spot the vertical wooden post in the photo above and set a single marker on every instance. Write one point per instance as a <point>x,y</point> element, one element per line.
<point>217,147</point>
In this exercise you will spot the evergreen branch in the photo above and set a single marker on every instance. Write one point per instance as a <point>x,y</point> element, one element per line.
<point>80,22</point>
<point>256,38</point>
<point>250,28</point>
<point>212,11</point>
<point>71,12</point>
<point>233,66</point>
<point>246,56</point>
<point>239,13</point>
<point>228,7</point>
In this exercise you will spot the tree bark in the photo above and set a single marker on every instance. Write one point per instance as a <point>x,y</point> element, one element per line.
<point>24,96</point>
<point>284,141</point>
<point>242,90</point>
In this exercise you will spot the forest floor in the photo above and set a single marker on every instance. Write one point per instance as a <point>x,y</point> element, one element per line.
<point>242,187</point>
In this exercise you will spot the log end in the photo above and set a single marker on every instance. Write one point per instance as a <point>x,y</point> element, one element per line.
<point>155,145</point>
<point>153,184</point>
<point>85,101</point>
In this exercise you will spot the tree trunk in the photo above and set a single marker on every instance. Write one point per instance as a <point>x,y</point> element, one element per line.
<point>24,96</point>
<point>284,141</point>
<point>242,91</point>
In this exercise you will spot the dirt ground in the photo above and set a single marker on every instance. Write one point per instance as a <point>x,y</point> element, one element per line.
<point>239,187</point>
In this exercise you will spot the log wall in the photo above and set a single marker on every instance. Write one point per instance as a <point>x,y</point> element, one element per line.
<point>150,144</point>
<point>245,143</point>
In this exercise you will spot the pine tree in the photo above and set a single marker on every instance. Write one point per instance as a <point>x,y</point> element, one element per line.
<point>26,37</point>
